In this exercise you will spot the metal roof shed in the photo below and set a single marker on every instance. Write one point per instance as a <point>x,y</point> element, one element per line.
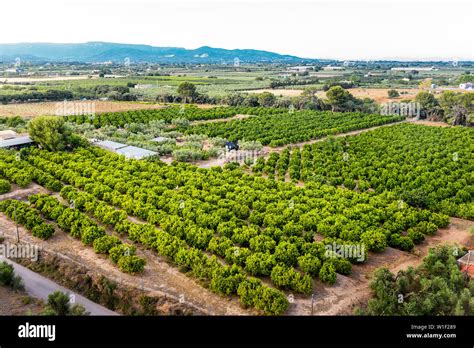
<point>8,134</point>
<point>135,152</point>
<point>15,142</point>
<point>110,145</point>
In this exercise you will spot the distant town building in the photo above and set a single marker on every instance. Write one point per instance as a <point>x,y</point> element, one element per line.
<point>12,70</point>
<point>467,85</point>
<point>329,67</point>
<point>414,68</point>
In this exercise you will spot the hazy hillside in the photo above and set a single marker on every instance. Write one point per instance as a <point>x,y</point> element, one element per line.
<point>103,51</point>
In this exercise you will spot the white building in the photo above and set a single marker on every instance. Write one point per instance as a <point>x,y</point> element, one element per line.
<point>414,68</point>
<point>467,85</point>
<point>333,68</point>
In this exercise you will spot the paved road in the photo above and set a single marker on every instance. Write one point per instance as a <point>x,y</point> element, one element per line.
<point>40,287</point>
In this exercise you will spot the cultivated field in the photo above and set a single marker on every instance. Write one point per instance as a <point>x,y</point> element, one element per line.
<point>51,108</point>
<point>29,80</point>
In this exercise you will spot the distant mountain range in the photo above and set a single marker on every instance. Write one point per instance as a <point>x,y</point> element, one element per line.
<point>96,52</point>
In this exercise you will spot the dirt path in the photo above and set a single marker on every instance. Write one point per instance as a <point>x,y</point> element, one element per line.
<point>429,123</point>
<point>352,291</point>
<point>19,193</point>
<point>268,149</point>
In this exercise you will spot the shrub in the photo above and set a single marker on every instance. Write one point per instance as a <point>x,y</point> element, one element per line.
<point>401,242</point>
<point>121,250</point>
<point>103,244</point>
<point>327,274</point>
<point>375,240</point>
<point>415,235</point>
<point>8,277</point>
<point>342,266</point>
<point>43,231</point>
<point>309,264</point>
<point>260,263</point>
<point>251,146</point>
<point>91,233</point>
<point>286,253</point>
<point>4,186</point>
<point>393,93</point>
<point>272,301</point>
<point>131,264</point>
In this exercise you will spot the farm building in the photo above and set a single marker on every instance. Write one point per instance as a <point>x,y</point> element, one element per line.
<point>329,67</point>
<point>8,134</point>
<point>132,152</point>
<point>467,85</point>
<point>466,263</point>
<point>135,152</point>
<point>16,143</point>
<point>110,145</point>
<point>414,68</point>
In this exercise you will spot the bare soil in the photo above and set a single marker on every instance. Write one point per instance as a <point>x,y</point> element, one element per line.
<point>18,303</point>
<point>380,95</point>
<point>430,123</point>
<point>51,108</point>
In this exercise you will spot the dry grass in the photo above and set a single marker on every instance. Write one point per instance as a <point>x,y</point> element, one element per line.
<point>50,108</point>
<point>44,79</point>
<point>380,95</point>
